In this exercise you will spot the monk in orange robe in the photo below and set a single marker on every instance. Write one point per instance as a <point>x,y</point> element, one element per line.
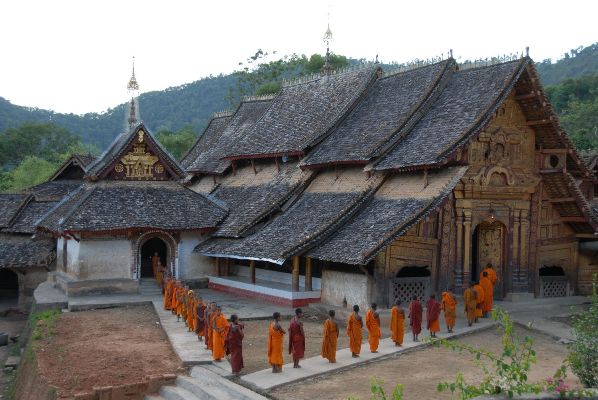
<point>372,322</point>
<point>397,323</point>
<point>486,284</point>
<point>276,333</point>
<point>191,311</point>
<point>329,338</point>
<point>354,327</point>
<point>200,324</point>
<point>211,318</point>
<point>433,315</point>
<point>175,298</point>
<point>470,299</point>
<point>479,299</point>
<point>297,338</point>
<point>415,317</point>
<point>168,293</point>
<point>220,332</point>
<point>160,273</point>
<point>491,273</point>
<point>234,344</point>
<point>207,325</point>
<point>155,262</point>
<point>449,306</point>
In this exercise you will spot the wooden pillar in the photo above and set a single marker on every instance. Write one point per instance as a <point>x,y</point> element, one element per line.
<point>308,283</point>
<point>459,243</point>
<point>295,274</point>
<point>523,249</point>
<point>466,247</point>
<point>218,272</point>
<point>226,267</point>
<point>252,271</point>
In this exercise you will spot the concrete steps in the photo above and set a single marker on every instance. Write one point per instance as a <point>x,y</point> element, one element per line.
<point>149,287</point>
<point>203,384</point>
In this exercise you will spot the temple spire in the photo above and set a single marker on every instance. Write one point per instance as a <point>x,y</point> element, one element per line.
<point>133,91</point>
<point>327,68</point>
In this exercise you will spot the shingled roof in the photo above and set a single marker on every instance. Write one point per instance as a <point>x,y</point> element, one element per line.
<point>21,251</point>
<point>54,190</point>
<point>207,140</point>
<point>388,105</point>
<point>253,196</point>
<point>302,113</point>
<point>99,168</point>
<point>401,201</point>
<point>206,155</point>
<point>25,220</point>
<point>321,208</point>
<point>9,205</point>
<point>462,110</point>
<point>124,205</point>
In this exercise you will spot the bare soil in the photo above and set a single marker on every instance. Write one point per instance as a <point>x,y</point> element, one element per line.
<point>420,371</point>
<point>11,322</point>
<point>105,348</point>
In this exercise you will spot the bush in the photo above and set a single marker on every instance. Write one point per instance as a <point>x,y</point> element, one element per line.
<point>584,351</point>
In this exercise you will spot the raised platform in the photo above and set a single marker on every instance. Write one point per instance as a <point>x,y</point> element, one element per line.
<point>273,292</point>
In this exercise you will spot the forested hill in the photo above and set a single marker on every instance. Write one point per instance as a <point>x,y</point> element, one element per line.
<point>170,109</point>
<point>191,105</point>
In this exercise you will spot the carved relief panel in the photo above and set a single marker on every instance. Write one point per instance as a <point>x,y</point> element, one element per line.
<point>490,244</point>
<point>139,163</point>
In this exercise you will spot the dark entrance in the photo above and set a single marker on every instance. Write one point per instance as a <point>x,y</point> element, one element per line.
<point>9,288</point>
<point>154,245</point>
<point>488,248</point>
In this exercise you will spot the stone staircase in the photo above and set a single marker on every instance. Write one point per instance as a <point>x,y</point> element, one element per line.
<point>149,287</point>
<point>204,384</point>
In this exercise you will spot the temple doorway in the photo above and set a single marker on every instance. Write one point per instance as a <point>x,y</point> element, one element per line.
<point>488,248</point>
<point>148,250</point>
<point>9,289</point>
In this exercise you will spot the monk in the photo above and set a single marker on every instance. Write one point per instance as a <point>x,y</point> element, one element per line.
<point>486,284</point>
<point>234,344</point>
<point>354,327</point>
<point>175,298</point>
<point>329,338</point>
<point>397,323</point>
<point>433,315</point>
<point>275,336</point>
<point>415,317</point>
<point>479,299</point>
<point>469,297</point>
<point>200,322</point>
<point>208,325</point>
<point>155,261</point>
<point>449,306</point>
<point>211,325</point>
<point>190,310</point>
<point>219,334</point>
<point>160,273</point>
<point>297,338</point>
<point>372,322</point>
<point>184,304</point>
<point>167,293</point>
<point>491,273</point>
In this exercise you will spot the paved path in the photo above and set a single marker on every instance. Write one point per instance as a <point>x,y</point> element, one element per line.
<point>265,380</point>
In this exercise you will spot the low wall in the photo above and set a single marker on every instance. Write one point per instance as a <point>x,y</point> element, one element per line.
<point>337,286</point>
<point>102,286</point>
<point>275,276</point>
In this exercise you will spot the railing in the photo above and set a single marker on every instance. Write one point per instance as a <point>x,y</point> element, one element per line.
<point>554,286</point>
<point>405,288</point>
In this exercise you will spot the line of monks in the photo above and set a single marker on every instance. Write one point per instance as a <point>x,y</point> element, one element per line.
<point>208,322</point>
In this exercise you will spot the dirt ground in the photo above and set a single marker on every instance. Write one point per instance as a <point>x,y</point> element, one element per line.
<point>420,371</point>
<point>105,347</point>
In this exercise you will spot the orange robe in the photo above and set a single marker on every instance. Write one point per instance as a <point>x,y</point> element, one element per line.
<point>219,334</point>
<point>174,301</point>
<point>168,295</point>
<point>479,299</point>
<point>371,322</point>
<point>397,324</point>
<point>491,275</point>
<point>354,327</point>
<point>449,306</point>
<point>329,340</point>
<point>469,296</point>
<point>275,346</point>
<point>486,284</point>
<point>210,341</point>
<point>191,314</point>
<point>155,262</point>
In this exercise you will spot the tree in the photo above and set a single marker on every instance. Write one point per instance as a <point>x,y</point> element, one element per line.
<point>31,171</point>
<point>179,142</point>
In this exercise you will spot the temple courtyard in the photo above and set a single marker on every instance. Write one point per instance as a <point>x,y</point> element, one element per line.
<point>133,341</point>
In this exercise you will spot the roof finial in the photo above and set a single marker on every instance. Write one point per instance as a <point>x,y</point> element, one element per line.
<point>133,89</point>
<point>450,53</point>
<point>327,68</point>
<point>527,51</point>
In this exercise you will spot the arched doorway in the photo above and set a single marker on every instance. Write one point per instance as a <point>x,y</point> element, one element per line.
<point>151,247</point>
<point>9,289</point>
<point>489,248</point>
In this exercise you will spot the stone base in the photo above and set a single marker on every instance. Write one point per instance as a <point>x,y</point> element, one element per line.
<point>73,287</point>
<point>518,296</point>
<point>200,283</point>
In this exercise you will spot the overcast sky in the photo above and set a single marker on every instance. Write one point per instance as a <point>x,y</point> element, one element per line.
<point>75,56</point>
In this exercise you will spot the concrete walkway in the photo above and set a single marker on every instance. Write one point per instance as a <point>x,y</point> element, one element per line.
<point>265,380</point>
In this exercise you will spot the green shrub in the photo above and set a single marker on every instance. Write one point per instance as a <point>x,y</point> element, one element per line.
<point>584,351</point>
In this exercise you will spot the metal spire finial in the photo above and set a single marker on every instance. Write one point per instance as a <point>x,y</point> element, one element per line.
<point>133,86</point>
<point>327,68</point>
<point>133,89</point>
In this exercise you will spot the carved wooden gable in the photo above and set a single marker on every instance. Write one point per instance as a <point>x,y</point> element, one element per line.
<point>140,162</point>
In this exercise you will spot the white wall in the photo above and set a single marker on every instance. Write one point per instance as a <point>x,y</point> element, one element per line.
<point>276,276</point>
<point>72,259</point>
<point>338,285</point>
<point>193,265</point>
<point>103,259</point>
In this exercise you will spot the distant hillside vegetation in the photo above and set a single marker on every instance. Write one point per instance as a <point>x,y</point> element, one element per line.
<point>575,64</point>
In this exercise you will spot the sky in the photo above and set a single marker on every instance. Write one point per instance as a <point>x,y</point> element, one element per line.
<point>75,56</point>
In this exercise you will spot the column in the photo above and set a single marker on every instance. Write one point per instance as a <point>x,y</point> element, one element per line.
<point>295,274</point>
<point>218,272</point>
<point>252,271</point>
<point>466,247</point>
<point>226,267</point>
<point>459,282</point>
<point>523,267</point>
<point>308,285</point>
